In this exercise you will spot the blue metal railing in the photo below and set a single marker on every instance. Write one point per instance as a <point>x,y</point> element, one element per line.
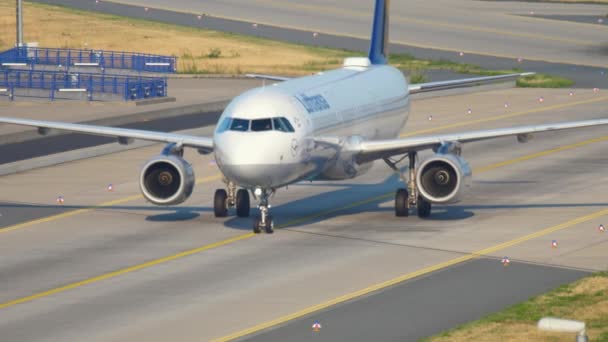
<point>139,62</point>
<point>127,87</point>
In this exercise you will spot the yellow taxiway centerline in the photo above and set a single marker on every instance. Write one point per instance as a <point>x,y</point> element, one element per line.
<point>308,218</point>
<point>409,276</point>
<point>420,272</point>
<point>505,116</point>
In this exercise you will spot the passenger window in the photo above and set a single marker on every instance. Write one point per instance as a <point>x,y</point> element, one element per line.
<point>282,124</point>
<point>224,126</point>
<point>239,125</point>
<point>261,125</point>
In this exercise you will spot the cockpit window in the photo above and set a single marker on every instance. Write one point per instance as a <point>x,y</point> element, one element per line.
<point>261,125</point>
<point>240,125</point>
<point>224,126</point>
<point>258,125</point>
<point>282,124</point>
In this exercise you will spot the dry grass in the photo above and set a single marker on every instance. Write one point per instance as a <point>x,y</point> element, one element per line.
<point>585,300</point>
<point>203,51</point>
<point>53,26</point>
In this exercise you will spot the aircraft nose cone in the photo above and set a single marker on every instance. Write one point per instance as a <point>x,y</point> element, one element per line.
<point>260,175</point>
<point>251,161</point>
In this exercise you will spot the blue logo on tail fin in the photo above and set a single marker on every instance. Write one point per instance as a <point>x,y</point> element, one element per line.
<point>378,51</point>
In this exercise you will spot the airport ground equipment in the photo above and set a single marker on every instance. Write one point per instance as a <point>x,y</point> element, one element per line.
<point>99,59</point>
<point>57,84</point>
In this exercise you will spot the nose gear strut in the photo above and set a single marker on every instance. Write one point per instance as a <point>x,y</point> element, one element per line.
<point>264,222</point>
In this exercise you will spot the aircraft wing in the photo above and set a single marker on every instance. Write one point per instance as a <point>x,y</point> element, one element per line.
<point>465,82</point>
<point>371,150</point>
<point>122,134</point>
<point>431,86</point>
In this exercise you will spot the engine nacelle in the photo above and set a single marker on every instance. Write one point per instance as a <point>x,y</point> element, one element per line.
<point>443,178</point>
<point>167,179</point>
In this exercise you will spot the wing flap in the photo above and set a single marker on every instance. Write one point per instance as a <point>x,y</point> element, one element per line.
<point>123,134</point>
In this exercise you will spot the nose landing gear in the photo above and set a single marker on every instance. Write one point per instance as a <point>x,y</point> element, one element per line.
<point>264,222</point>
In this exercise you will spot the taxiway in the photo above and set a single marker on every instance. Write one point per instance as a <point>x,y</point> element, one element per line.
<point>106,265</point>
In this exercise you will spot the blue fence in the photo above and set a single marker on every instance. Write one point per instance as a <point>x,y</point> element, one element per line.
<point>56,82</point>
<point>138,62</point>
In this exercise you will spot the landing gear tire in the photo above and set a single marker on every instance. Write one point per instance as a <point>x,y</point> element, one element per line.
<point>256,226</point>
<point>220,203</point>
<point>402,207</point>
<point>269,228</point>
<point>423,207</point>
<point>242,203</point>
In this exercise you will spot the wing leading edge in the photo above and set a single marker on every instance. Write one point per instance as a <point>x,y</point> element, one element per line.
<point>378,149</point>
<point>203,143</point>
<point>464,82</point>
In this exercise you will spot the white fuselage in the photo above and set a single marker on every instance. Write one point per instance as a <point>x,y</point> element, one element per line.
<point>327,111</point>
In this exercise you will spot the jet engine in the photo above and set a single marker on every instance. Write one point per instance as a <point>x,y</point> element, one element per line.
<point>443,178</point>
<point>167,179</point>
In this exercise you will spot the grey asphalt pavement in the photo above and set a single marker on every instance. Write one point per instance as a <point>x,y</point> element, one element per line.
<point>132,271</point>
<point>428,305</point>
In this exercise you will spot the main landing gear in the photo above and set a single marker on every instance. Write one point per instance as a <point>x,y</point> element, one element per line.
<point>409,198</point>
<point>264,222</point>
<point>224,200</point>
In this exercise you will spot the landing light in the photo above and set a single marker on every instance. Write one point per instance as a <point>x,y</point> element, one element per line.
<point>257,192</point>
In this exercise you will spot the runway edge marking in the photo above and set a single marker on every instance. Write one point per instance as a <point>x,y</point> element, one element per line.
<point>409,276</point>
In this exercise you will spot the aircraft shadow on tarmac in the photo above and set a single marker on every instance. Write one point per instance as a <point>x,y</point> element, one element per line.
<point>346,199</point>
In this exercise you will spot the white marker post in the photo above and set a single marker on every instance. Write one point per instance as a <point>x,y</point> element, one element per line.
<point>565,326</point>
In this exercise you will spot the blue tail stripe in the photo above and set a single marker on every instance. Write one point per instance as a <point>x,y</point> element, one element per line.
<point>378,51</point>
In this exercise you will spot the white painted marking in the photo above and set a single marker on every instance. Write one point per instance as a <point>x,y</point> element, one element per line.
<point>72,90</point>
<point>86,64</point>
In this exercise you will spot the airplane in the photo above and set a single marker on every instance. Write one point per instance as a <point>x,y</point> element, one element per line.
<point>329,126</point>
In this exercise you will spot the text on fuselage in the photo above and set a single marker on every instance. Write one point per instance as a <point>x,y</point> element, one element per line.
<point>314,103</point>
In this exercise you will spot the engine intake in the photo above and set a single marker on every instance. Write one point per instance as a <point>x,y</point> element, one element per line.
<point>167,180</point>
<point>443,178</point>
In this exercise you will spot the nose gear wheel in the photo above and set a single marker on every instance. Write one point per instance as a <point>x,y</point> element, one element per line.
<point>265,221</point>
